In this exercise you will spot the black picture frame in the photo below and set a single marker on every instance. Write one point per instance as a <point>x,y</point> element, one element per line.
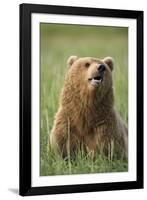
<point>26,11</point>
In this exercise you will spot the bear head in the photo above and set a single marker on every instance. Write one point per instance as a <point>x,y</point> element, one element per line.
<point>90,74</point>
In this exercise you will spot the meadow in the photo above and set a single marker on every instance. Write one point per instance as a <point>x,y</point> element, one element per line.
<point>58,42</point>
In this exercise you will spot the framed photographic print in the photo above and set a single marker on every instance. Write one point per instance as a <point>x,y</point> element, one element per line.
<point>81,99</point>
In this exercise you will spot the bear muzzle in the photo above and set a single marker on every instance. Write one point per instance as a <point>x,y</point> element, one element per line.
<point>97,79</point>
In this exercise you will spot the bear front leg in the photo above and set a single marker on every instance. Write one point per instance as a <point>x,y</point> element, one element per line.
<point>60,137</point>
<point>58,134</point>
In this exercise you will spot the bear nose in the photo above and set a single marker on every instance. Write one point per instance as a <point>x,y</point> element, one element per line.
<point>101,68</point>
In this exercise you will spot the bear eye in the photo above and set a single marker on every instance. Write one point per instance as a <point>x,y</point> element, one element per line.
<point>87,64</point>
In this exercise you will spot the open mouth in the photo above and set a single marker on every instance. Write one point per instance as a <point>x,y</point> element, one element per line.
<point>96,80</point>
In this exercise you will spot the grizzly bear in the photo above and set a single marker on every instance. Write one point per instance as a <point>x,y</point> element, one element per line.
<point>86,117</point>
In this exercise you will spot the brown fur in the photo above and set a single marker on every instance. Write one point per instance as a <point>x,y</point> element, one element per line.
<point>86,116</point>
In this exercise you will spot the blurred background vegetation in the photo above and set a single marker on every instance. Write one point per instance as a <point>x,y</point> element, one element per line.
<point>58,42</point>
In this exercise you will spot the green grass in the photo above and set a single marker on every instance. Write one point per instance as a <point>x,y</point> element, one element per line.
<point>58,42</point>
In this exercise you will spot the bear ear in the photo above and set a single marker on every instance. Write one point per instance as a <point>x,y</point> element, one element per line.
<point>109,61</point>
<point>71,60</point>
